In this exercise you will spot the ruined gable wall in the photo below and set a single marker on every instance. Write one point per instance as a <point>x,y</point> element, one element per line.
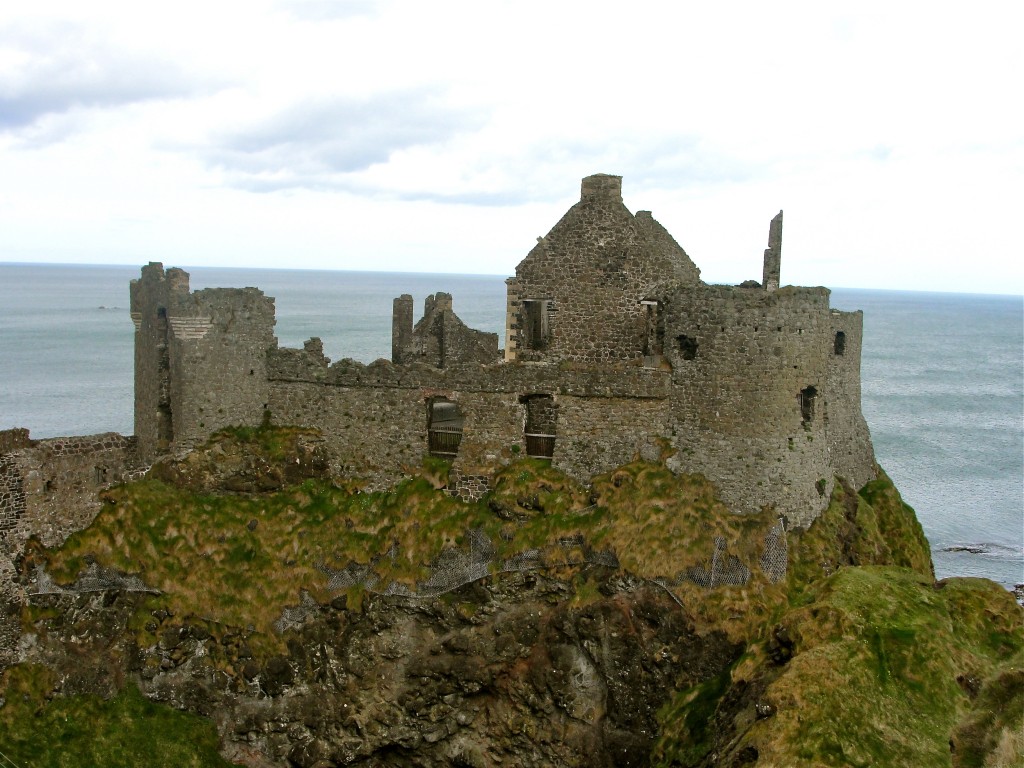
<point>440,338</point>
<point>581,266</point>
<point>666,248</point>
<point>737,407</point>
<point>462,344</point>
<point>596,265</point>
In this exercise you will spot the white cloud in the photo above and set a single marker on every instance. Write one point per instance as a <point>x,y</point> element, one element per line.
<point>446,136</point>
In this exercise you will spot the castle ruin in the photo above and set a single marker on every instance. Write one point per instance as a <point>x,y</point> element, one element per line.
<point>614,348</point>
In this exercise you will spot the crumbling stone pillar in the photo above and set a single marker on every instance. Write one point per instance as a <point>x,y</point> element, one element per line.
<point>401,327</point>
<point>773,255</point>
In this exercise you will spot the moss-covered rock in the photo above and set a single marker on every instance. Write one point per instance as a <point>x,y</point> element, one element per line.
<point>248,460</point>
<point>872,527</point>
<point>870,671</point>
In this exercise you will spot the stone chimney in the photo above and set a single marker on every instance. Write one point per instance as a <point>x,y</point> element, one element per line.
<point>601,186</point>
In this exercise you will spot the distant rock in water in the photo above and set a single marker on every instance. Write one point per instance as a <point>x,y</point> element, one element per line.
<point>979,549</point>
<point>974,549</point>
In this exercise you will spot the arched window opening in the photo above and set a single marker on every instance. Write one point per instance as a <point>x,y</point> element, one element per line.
<point>444,427</point>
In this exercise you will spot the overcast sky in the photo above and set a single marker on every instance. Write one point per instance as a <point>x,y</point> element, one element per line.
<point>446,136</point>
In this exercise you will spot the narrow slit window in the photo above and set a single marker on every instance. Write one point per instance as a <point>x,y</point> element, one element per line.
<point>807,397</point>
<point>840,343</point>
<point>654,336</point>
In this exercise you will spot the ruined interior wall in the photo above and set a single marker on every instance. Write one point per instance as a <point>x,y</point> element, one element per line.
<point>463,344</point>
<point>440,338</point>
<point>737,412</point>
<point>219,340</point>
<point>55,483</point>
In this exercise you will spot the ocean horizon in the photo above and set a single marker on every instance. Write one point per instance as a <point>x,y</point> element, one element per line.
<point>942,376</point>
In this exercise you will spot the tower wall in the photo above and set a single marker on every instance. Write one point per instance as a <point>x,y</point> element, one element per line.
<point>850,445</point>
<point>752,377</point>
<point>219,343</point>
<point>200,359</point>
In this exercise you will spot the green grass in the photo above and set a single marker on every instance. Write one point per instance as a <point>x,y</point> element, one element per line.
<point>240,559</point>
<point>127,730</point>
<point>691,713</point>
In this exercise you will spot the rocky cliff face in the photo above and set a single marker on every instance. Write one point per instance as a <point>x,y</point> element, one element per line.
<point>580,661</point>
<point>513,672</point>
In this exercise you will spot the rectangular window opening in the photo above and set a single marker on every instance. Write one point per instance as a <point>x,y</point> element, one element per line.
<point>541,422</point>
<point>444,428</point>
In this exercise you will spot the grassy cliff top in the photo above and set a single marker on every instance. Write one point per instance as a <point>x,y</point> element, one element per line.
<point>240,559</point>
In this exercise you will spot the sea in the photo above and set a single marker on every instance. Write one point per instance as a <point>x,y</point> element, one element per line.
<point>942,373</point>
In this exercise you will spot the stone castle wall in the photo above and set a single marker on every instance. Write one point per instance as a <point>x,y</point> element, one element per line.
<point>614,350</point>
<point>375,418</point>
<point>609,329</point>
<point>48,488</point>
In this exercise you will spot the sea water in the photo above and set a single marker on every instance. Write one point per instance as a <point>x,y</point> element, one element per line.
<point>942,392</point>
